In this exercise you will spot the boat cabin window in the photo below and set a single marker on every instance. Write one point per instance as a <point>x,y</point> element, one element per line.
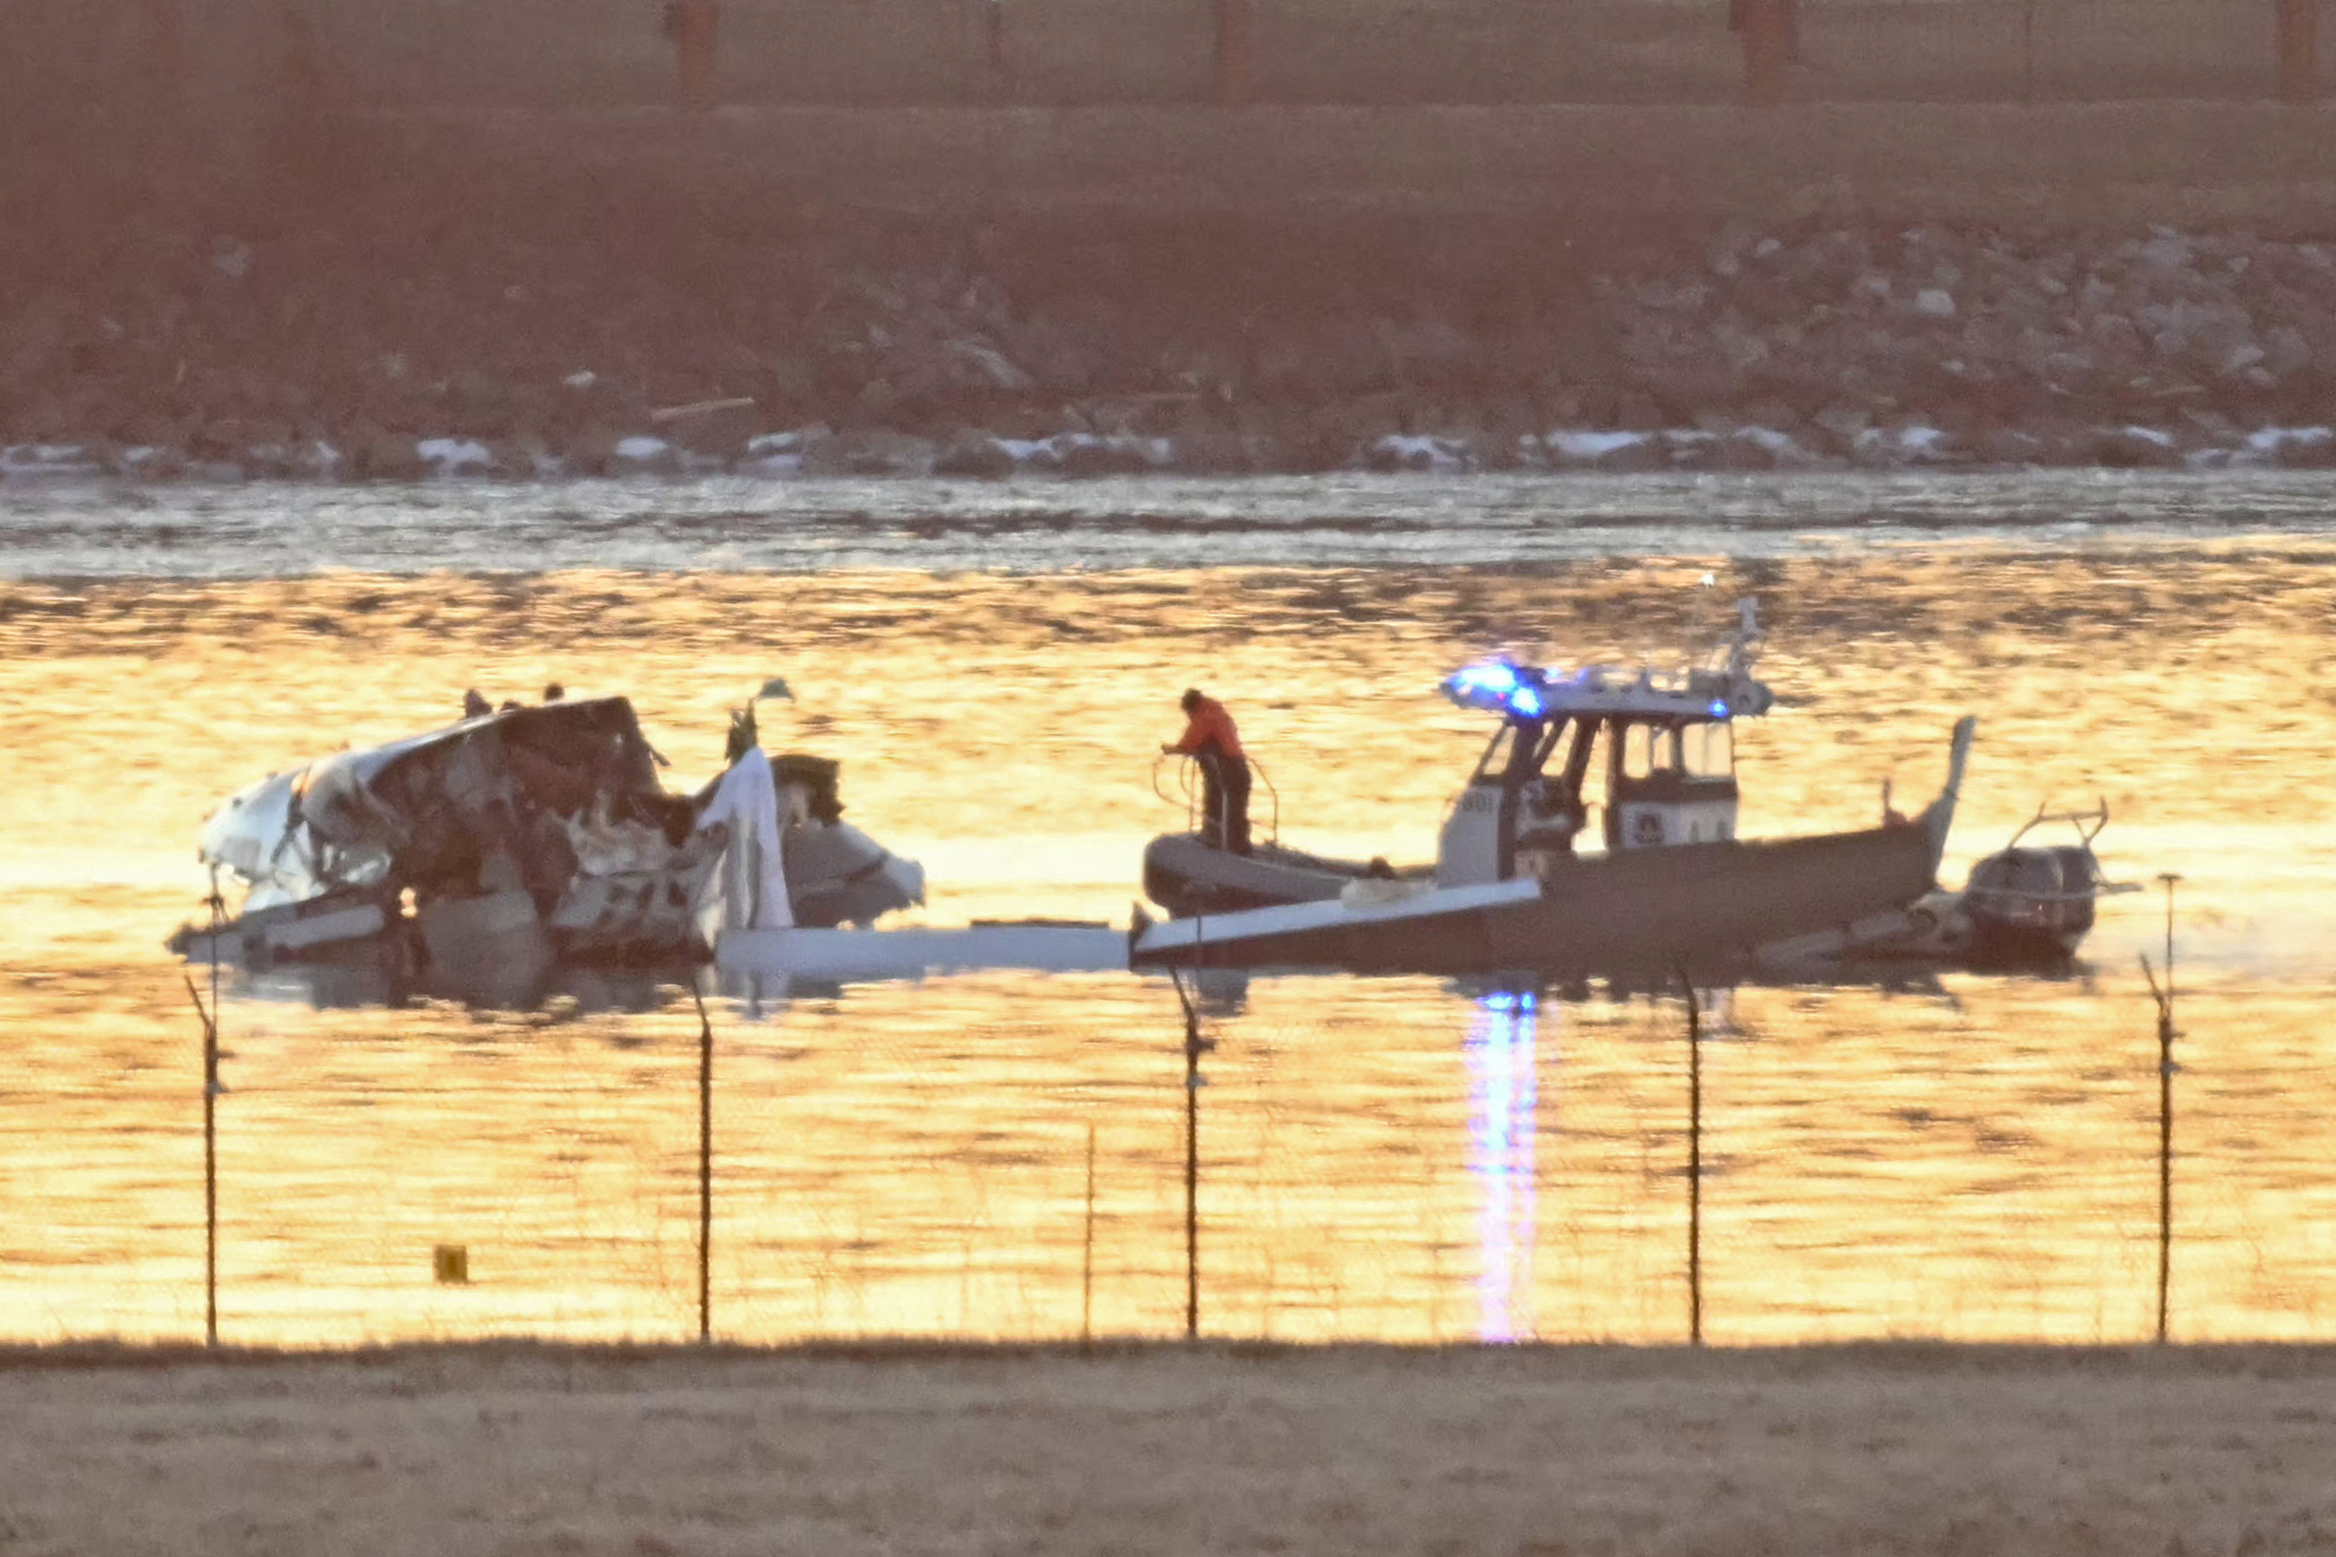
<point>1710,750</point>
<point>1510,743</point>
<point>1496,755</point>
<point>1649,749</point>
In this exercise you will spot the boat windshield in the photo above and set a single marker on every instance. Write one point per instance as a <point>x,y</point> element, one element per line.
<point>1710,750</point>
<point>1649,749</point>
<point>1704,750</point>
<point>1499,751</point>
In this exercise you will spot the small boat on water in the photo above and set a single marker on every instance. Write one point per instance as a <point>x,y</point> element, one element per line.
<point>537,830</point>
<point>1523,881</point>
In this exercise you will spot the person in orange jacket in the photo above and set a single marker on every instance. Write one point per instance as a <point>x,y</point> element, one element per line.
<point>1211,740</point>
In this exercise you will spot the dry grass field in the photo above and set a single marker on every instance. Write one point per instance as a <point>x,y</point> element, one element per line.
<point>1161,1449</point>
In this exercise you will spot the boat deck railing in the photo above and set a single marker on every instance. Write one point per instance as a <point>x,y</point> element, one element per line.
<point>1192,793</point>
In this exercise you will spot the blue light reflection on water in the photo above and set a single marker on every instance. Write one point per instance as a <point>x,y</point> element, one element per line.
<point>1501,1126</point>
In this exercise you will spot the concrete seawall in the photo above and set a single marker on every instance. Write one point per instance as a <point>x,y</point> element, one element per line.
<point>2196,164</point>
<point>566,54</point>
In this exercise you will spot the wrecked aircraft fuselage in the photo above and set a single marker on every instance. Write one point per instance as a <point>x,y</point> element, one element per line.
<point>543,823</point>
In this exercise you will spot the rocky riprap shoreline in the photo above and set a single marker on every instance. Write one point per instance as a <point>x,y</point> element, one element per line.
<point>210,355</point>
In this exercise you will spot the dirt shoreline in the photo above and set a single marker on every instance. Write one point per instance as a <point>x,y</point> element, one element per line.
<point>1144,1448</point>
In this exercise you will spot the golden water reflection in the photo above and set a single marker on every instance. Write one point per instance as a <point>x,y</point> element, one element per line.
<point>1969,1156</point>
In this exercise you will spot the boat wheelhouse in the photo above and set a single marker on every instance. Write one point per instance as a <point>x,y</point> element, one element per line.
<point>1667,744</point>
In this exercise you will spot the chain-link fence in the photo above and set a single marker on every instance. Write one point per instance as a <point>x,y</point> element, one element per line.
<point>1005,1157</point>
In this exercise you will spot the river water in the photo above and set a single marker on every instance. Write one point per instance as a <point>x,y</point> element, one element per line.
<point>1961,1155</point>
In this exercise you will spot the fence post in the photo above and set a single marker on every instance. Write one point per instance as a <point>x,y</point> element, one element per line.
<point>211,1089</point>
<point>1765,28</point>
<point>1233,51</point>
<point>2299,22</point>
<point>705,1167</point>
<point>166,54</point>
<point>692,27</point>
<point>2165,1004</point>
<point>2028,51</point>
<point>1087,1253</point>
<point>1194,1047</point>
<point>993,34</point>
<point>210,1145</point>
<point>1694,1162</point>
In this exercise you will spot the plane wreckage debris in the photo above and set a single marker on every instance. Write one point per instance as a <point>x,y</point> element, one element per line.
<point>546,823</point>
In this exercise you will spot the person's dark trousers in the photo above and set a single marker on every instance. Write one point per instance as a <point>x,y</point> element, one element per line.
<point>1224,798</point>
<point>1237,804</point>
<point>1212,798</point>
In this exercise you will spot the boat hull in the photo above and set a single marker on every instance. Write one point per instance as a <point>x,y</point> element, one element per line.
<point>1997,944</point>
<point>1186,876</point>
<point>1643,911</point>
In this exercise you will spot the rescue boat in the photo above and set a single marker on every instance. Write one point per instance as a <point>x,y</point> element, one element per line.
<point>1523,880</point>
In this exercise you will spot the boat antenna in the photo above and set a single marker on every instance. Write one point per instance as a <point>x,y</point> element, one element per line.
<point>1745,647</point>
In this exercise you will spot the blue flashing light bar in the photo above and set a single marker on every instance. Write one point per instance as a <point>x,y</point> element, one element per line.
<point>1524,692</point>
<point>1497,686</point>
<point>1498,678</point>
